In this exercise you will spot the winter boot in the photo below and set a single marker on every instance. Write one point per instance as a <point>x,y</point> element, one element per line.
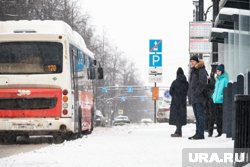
<point>176,135</point>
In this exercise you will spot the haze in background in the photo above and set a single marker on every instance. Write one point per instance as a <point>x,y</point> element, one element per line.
<point>131,23</point>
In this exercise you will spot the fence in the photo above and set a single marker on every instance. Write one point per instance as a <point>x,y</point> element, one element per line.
<point>242,134</point>
<point>229,105</point>
<point>236,116</point>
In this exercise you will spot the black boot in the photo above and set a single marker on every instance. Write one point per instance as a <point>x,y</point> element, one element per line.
<point>219,134</point>
<point>198,137</point>
<point>176,135</point>
<point>210,134</point>
<point>190,138</point>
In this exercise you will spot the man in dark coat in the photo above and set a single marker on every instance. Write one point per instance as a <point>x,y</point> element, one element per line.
<point>197,95</point>
<point>178,108</point>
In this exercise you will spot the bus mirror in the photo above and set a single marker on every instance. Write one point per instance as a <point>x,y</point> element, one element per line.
<point>95,62</point>
<point>100,73</point>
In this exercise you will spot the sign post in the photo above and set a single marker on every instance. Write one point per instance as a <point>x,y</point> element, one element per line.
<point>155,71</point>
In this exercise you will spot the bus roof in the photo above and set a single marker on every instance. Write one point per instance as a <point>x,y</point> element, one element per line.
<point>45,27</point>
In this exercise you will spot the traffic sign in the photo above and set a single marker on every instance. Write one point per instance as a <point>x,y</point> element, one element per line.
<point>104,90</point>
<point>167,94</point>
<point>155,45</point>
<point>130,89</point>
<point>155,93</point>
<point>155,78</point>
<point>155,71</point>
<point>199,33</point>
<point>123,99</point>
<point>155,60</point>
<point>120,111</point>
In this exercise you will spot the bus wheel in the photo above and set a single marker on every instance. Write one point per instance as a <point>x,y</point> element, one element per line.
<point>58,138</point>
<point>9,139</point>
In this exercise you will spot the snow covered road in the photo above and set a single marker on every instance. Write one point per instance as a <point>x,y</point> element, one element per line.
<point>123,146</point>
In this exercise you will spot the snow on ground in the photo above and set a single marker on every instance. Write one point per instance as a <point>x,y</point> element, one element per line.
<point>123,146</point>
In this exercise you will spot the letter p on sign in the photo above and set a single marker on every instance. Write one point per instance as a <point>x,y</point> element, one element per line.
<point>155,60</point>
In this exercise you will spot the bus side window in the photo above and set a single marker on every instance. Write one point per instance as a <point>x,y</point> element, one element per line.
<point>80,61</point>
<point>86,61</point>
<point>73,55</point>
<point>91,69</point>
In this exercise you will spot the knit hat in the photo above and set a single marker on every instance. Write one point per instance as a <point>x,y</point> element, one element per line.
<point>221,68</point>
<point>195,58</point>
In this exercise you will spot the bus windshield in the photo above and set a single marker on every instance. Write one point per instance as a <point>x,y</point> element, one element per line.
<point>31,57</point>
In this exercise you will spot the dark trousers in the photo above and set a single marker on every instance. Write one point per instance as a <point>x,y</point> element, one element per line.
<point>210,114</point>
<point>211,121</point>
<point>199,114</point>
<point>216,117</point>
<point>219,117</point>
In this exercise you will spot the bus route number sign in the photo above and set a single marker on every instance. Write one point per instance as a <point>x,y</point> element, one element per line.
<point>52,68</point>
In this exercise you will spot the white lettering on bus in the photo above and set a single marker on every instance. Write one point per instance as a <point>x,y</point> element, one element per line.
<point>23,92</point>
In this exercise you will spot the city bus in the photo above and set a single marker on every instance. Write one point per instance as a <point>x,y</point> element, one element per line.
<point>47,77</point>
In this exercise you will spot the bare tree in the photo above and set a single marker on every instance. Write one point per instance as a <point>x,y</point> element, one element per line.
<point>117,69</point>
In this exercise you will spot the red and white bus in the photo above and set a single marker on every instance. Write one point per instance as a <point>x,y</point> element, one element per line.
<point>46,80</point>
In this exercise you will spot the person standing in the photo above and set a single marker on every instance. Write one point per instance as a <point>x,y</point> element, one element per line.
<point>196,95</point>
<point>178,108</point>
<point>210,109</point>
<point>218,96</point>
<point>210,114</point>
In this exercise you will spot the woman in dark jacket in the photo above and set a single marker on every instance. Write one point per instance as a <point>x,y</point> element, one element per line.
<point>178,108</point>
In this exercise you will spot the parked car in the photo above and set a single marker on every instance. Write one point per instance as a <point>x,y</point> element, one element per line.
<point>162,114</point>
<point>121,120</point>
<point>146,120</point>
<point>100,120</point>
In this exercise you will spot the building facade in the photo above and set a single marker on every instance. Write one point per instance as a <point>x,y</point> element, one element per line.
<point>232,33</point>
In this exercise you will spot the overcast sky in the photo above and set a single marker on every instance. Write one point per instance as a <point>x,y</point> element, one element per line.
<point>129,24</point>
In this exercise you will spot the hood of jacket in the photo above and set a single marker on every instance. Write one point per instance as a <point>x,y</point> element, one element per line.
<point>180,71</point>
<point>200,65</point>
<point>182,78</point>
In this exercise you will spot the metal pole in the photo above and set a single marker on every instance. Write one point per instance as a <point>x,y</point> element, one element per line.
<point>201,10</point>
<point>197,13</point>
<point>155,108</point>
<point>215,45</point>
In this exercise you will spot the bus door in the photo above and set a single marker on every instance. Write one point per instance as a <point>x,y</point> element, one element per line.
<point>75,87</point>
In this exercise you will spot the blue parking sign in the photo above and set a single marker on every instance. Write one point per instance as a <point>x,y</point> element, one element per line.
<point>155,60</point>
<point>155,45</point>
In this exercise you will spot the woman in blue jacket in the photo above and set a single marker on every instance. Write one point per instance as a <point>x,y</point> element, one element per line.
<point>218,96</point>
